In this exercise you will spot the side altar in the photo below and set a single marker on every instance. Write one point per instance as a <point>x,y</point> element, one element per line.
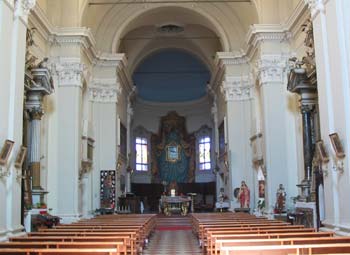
<point>174,204</point>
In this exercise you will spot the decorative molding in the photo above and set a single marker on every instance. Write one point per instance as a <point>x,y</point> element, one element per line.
<point>238,88</point>
<point>105,90</point>
<point>81,37</point>
<point>259,33</point>
<point>272,69</point>
<point>316,7</point>
<point>69,72</point>
<point>23,7</point>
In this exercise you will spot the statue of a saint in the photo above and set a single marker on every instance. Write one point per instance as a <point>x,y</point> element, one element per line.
<point>244,195</point>
<point>280,199</point>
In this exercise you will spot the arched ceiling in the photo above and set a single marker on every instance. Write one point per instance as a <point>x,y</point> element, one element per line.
<point>229,21</point>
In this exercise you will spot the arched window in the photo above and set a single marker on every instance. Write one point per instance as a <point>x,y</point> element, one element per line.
<point>204,147</point>
<point>141,148</point>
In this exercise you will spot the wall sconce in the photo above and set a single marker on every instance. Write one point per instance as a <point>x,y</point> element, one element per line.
<point>339,152</point>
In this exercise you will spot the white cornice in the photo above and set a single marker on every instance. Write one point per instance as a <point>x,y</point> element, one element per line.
<point>260,33</point>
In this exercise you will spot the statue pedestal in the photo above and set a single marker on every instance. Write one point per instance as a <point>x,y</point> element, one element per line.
<point>244,210</point>
<point>307,214</point>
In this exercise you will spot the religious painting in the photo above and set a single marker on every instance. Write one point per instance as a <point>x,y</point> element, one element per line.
<point>172,153</point>
<point>107,188</point>
<point>222,140</point>
<point>321,150</point>
<point>256,144</point>
<point>5,152</point>
<point>123,140</point>
<point>20,157</point>
<point>337,146</point>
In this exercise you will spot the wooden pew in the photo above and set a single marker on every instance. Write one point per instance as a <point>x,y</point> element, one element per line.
<point>29,251</point>
<point>308,249</point>
<point>119,246</point>
<point>125,240</point>
<point>284,241</point>
<point>211,248</point>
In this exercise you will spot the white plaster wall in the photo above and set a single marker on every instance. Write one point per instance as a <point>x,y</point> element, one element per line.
<point>148,115</point>
<point>332,59</point>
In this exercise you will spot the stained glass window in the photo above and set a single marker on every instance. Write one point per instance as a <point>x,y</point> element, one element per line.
<point>141,154</point>
<point>204,153</point>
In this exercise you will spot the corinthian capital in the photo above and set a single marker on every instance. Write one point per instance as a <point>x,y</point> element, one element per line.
<point>315,6</point>
<point>69,72</point>
<point>271,69</point>
<point>237,88</point>
<point>104,90</point>
<point>23,7</point>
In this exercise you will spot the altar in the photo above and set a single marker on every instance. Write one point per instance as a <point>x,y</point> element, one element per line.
<point>174,204</point>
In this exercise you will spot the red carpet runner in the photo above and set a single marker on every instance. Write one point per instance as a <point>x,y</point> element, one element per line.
<point>173,236</point>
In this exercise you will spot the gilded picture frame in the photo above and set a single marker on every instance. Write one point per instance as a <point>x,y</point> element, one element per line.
<point>337,145</point>
<point>21,155</point>
<point>6,152</point>
<point>172,153</point>
<point>321,150</point>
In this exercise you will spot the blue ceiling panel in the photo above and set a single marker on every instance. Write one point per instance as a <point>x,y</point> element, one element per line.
<point>171,75</point>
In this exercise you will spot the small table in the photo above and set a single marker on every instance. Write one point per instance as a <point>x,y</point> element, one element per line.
<point>222,206</point>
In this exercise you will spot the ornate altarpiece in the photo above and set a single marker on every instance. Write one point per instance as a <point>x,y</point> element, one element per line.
<point>173,151</point>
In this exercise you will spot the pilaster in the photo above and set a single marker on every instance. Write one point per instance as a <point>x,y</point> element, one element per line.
<point>278,134</point>
<point>104,94</point>
<point>237,91</point>
<point>69,77</point>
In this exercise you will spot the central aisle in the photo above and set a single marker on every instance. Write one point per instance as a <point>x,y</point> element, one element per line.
<point>173,236</point>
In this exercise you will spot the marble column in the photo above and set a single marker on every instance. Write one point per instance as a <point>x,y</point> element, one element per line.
<point>237,91</point>
<point>34,146</point>
<point>304,84</point>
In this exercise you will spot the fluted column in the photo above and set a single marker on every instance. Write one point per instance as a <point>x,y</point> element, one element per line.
<point>34,145</point>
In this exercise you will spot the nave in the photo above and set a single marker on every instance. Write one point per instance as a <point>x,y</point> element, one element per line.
<point>217,233</point>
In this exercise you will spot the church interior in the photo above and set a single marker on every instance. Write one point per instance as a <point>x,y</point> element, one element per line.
<point>174,127</point>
